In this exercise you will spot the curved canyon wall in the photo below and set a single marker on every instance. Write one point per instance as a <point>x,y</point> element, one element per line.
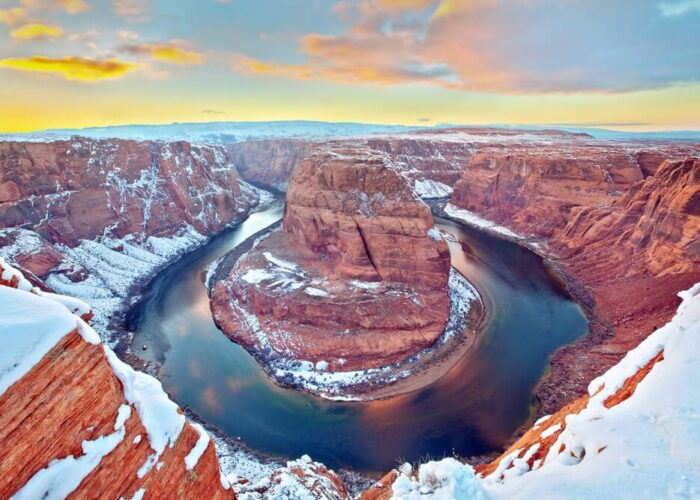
<point>269,162</point>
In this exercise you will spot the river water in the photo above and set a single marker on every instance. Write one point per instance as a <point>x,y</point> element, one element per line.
<point>471,410</point>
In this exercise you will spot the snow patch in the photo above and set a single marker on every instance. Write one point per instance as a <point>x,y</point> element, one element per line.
<point>447,479</point>
<point>475,220</point>
<point>431,189</point>
<point>199,448</point>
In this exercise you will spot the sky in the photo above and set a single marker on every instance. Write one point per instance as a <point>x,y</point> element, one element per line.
<point>621,64</point>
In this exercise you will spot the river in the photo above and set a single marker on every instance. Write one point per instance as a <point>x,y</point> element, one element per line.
<point>471,410</point>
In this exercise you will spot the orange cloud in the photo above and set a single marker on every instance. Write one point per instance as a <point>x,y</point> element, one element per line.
<point>74,6</point>
<point>134,11</point>
<point>69,6</point>
<point>71,68</point>
<point>37,31</point>
<point>12,16</point>
<point>173,52</point>
<point>406,4</point>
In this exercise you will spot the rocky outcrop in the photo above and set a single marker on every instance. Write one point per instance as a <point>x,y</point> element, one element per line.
<point>75,421</point>
<point>93,217</point>
<point>71,191</point>
<point>356,279</point>
<point>657,222</point>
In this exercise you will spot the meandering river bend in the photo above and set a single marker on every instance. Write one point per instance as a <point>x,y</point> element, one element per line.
<point>471,410</point>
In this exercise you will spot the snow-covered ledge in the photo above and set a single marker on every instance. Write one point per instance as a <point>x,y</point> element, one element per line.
<point>475,220</point>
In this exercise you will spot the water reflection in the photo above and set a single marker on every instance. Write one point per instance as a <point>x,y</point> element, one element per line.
<point>472,409</point>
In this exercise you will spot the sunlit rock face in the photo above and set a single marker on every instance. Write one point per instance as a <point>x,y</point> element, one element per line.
<point>355,279</point>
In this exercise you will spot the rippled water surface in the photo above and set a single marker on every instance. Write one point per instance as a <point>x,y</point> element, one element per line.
<point>471,410</point>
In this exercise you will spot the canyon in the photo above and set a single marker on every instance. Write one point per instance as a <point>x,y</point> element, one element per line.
<point>618,222</point>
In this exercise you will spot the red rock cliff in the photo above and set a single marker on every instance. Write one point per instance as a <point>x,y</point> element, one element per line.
<point>72,423</point>
<point>357,277</point>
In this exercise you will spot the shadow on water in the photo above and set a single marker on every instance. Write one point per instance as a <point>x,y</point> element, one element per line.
<point>473,409</point>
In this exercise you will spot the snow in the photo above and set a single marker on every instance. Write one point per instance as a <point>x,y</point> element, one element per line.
<point>434,234</point>
<point>198,450</point>
<point>9,272</point>
<point>75,306</point>
<point>475,220</point>
<point>112,273</point>
<point>255,276</point>
<point>550,431</point>
<point>30,326</point>
<point>159,415</point>
<point>311,484</point>
<point>62,476</point>
<point>446,480</point>
<point>139,494</point>
<point>315,292</point>
<point>431,189</point>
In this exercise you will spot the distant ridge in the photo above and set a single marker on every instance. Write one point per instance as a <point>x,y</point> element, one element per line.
<point>226,131</point>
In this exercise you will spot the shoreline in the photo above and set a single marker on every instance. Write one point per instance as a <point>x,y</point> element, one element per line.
<point>550,393</point>
<point>425,367</point>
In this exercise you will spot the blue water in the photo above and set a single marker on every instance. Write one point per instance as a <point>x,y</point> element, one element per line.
<point>471,410</point>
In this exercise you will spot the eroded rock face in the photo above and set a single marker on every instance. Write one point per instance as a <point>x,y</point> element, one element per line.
<point>364,217</point>
<point>68,191</point>
<point>657,221</point>
<point>93,217</point>
<point>356,279</point>
<point>68,429</point>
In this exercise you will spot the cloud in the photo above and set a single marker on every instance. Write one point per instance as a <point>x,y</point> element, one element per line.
<point>134,11</point>
<point>69,6</point>
<point>423,120</point>
<point>37,31</point>
<point>212,112</point>
<point>679,8</point>
<point>509,46</point>
<point>406,4</point>
<point>173,52</point>
<point>71,68</point>
<point>13,16</point>
<point>75,6</point>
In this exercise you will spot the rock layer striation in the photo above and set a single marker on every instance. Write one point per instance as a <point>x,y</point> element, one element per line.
<point>356,278</point>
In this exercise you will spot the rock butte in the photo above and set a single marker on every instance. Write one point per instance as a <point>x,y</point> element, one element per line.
<point>356,277</point>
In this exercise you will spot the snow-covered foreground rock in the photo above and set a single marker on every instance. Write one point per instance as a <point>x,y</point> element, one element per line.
<point>636,434</point>
<point>77,421</point>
